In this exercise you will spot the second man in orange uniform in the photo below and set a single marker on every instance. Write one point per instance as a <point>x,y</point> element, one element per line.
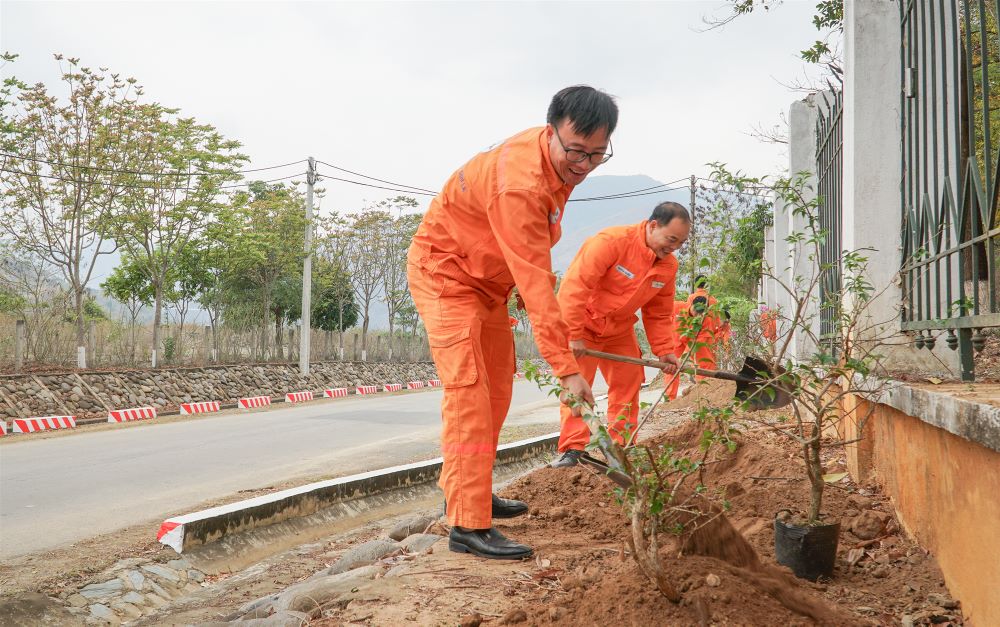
<point>616,273</point>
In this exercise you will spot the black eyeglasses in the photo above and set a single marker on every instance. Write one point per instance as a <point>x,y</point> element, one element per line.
<point>577,156</point>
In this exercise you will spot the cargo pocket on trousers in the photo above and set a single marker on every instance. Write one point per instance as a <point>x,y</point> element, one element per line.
<point>455,358</point>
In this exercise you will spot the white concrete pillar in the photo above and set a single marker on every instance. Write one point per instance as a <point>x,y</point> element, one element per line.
<point>768,292</point>
<point>872,174</point>
<point>802,257</point>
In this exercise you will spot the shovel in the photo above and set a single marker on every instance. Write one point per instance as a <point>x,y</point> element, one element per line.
<point>756,391</point>
<point>614,475</point>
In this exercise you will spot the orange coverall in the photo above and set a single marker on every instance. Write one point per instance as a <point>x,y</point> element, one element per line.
<point>710,333</point>
<point>491,227</point>
<point>769,324</point>
<point>613,275</point>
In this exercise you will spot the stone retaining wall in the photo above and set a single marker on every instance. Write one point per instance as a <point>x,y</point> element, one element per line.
<point>91,394</point>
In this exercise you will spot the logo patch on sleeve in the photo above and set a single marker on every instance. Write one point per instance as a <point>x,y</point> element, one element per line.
<point>554,215</point>
<point>658,284</point>
<point>625,271</point>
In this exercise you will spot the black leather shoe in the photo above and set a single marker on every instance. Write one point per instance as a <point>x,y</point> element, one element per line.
<point>503,508</point>
<point>569,458</point>
<point>488,543</point>
<point>508,508</point>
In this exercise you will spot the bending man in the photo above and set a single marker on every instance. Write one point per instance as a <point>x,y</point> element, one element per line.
<point>698,317</point>
<point>491,228</point>
<point>617,272</point>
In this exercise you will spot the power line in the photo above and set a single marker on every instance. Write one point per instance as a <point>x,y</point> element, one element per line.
<point>166,189</point>
<point>757,187</point>
<point>372,178</point>
<point>392,185</point>
<point>636,191</point>
<point>392,189</point>
<point>139,173</point>
<point>627,195</point>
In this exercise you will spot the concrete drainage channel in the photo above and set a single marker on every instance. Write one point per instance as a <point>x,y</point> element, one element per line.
<point>233,537</point>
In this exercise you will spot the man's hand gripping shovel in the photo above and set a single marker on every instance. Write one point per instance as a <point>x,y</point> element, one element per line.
<point>757,387</point>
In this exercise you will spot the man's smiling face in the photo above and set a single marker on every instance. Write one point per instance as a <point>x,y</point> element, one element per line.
<point>566,147</point>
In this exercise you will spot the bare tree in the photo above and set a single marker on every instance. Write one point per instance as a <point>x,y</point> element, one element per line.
<point>72,170</point>
<point>364,256</point>
<point>187,163</point>
<point>30,289</point>
<point>395,290</point>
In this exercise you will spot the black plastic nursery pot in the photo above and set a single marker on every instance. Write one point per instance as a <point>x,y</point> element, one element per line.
<point>810,550</point>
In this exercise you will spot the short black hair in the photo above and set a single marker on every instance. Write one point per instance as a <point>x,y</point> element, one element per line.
<point>587,109</point>
<point>664,212</point>
<point>701,281</point>
<point>699,305</point>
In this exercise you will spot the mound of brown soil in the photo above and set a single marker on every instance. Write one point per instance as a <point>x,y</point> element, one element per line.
<point>703,393</point>
<point>727,574</point>
<point>583,573</point>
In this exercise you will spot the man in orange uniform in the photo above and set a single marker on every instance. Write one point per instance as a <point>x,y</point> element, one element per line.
<point>698,310</point>
<point>617,272</point>
<point>491,228</point>
<point>769,323</point>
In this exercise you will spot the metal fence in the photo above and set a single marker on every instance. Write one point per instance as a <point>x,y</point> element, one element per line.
<point>829,190</point>
<point>950,63</point>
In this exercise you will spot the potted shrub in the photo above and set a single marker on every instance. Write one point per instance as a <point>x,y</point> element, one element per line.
<point>841,367</point>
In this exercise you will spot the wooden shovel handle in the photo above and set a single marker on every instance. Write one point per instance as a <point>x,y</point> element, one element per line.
<point>652,363</point>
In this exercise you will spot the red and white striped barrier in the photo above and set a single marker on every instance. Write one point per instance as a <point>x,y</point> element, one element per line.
<point>434,383</point>
<point>250,402</point>
<point>30,425</point>
<point>298,397</point>
<point>414,385</point>
<point>3,427</point>
<point>335,393</point>
<point>518,375</point>
<point>367,389</point>
<point>393,387</point>
<point>202,407</point>
<point>134,413</point>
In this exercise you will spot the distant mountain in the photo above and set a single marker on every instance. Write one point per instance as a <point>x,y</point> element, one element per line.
<point>585,218</point>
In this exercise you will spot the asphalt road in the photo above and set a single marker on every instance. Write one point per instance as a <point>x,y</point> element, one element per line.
<point>59,490</point>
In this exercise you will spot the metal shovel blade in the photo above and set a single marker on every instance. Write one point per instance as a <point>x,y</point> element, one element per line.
<point>755,386</point>
<point>616,476</point>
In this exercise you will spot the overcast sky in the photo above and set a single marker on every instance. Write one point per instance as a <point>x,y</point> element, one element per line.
<point>408,91</point>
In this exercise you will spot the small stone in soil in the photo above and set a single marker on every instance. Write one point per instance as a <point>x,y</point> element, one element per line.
<point>867,525</point>
<point>556,613</point>
<point>936,598</point>
<point>513,617</point>
<point>471,620</point>
<point>713,581</point>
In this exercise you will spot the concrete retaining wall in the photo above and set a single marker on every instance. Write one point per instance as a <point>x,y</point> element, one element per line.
<point>92,394</point>
<point>938,456</point>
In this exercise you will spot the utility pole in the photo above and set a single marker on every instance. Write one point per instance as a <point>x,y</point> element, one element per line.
<point>693,249</point>
<point>307,272</point>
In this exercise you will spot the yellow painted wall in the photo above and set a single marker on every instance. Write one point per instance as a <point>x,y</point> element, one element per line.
<point>946,491</point>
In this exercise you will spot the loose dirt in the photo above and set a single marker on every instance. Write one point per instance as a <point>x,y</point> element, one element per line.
<point>582,573</point>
